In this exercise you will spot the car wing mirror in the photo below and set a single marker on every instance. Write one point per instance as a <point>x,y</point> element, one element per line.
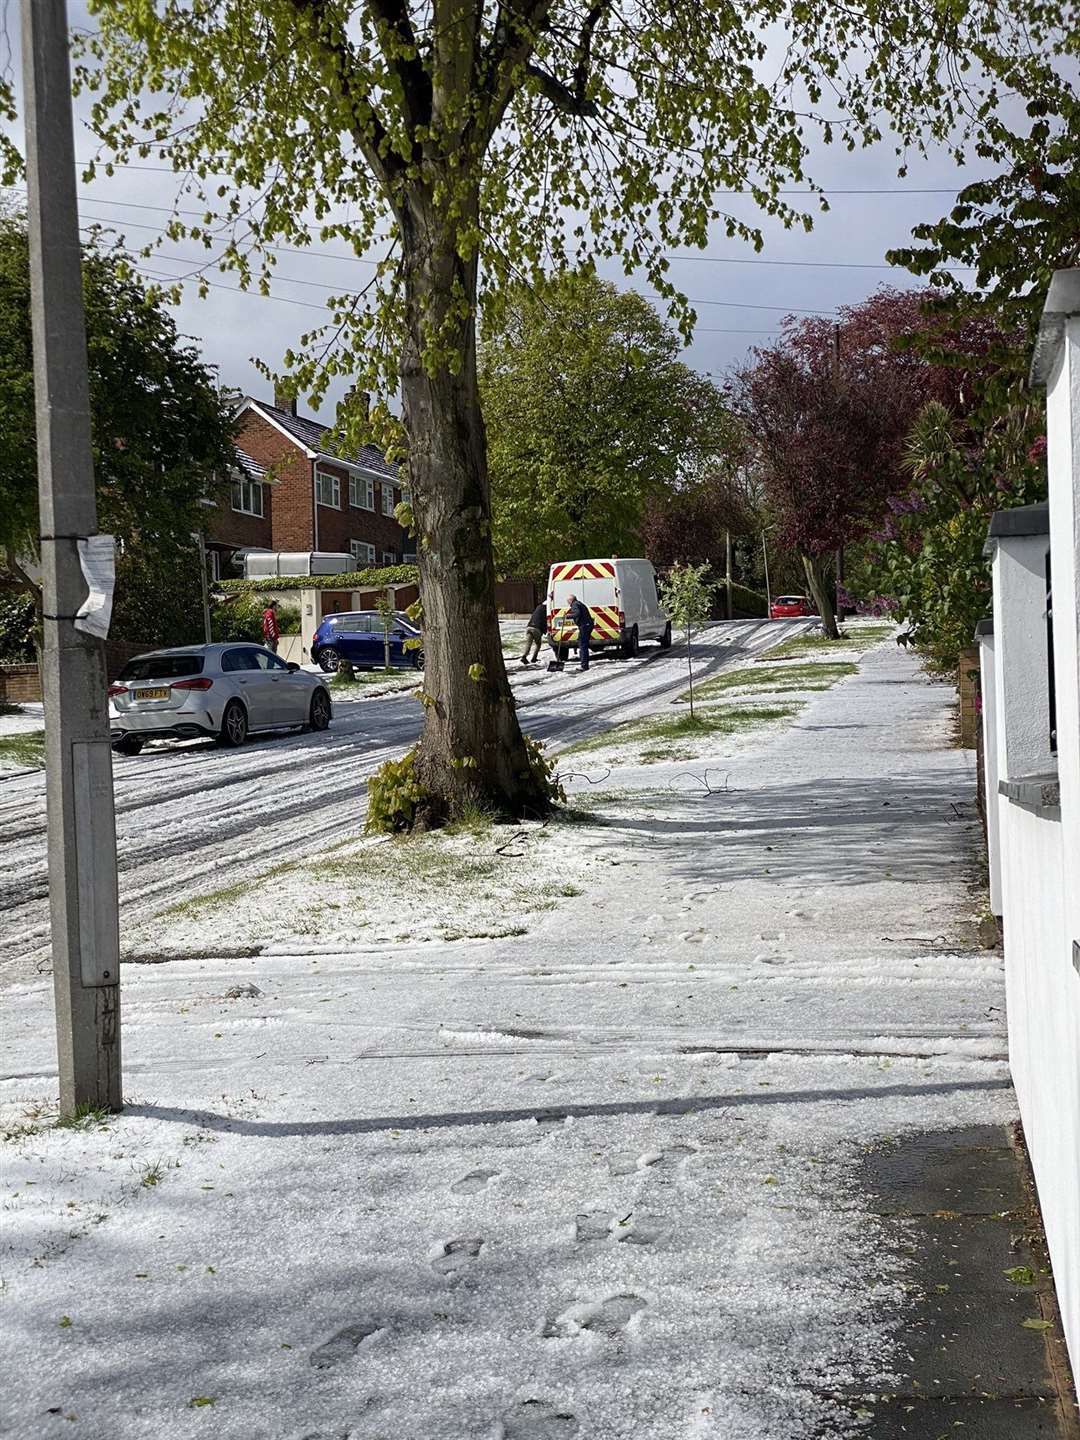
<point>292,667</point>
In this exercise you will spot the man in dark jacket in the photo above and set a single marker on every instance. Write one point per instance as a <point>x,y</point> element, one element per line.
<point>534,634</point>
<point>580,615</point>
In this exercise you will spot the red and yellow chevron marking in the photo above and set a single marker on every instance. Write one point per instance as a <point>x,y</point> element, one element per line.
<point>584,570</point>
<point>605,625</point>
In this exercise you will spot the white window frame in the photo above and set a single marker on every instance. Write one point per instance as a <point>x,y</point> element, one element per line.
<point>215,564</point>
<point>245,493</point>
<point>388,499</point>
<point>361,492</point>
<point>361,551</point>
<point>389,557</point>
<point>322,478</point>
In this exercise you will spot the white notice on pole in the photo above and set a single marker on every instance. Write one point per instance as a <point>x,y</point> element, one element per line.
<point>97,556</point>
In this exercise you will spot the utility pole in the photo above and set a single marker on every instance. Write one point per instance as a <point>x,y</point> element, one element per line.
<point>78,771</point>
<point>839,548</point>
<point>727,570</point>
<point>765,559</point>
<point>200,540</point>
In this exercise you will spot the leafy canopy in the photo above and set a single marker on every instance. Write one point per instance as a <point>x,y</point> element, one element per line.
<point>539,134</point>
<point>160,431</point>
<point>590,416</point>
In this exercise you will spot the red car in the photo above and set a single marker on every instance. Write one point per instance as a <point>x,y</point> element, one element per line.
<point>791,607</point>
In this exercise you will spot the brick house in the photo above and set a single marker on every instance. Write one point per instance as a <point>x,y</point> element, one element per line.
<point>289,493</point>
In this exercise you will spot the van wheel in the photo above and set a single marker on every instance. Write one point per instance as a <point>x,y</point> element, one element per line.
<point>630,645</point>
<point>562,654</point>
<point>234,726</point>
<point>665,638</point>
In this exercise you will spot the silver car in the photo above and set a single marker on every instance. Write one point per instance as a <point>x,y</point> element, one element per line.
<point>221,691</point>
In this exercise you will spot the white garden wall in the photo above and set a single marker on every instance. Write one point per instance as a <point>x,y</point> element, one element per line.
<point>1035,842</point>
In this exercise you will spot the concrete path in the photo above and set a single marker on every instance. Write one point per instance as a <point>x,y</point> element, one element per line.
<point>718,1150</point>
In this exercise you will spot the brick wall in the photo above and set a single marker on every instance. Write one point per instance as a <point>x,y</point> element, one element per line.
<point>290,499</point>
<point>19,684</point>
<point>338,527</point>
<point>291,525</point>
<point>968,687</point>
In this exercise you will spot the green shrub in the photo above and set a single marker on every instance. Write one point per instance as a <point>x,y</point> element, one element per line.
<point>238,619</point>
<point>393,795</point>
<point>16,626</point>
<point>543,774</point>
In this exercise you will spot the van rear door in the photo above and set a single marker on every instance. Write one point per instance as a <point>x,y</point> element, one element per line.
<point>594,583</point>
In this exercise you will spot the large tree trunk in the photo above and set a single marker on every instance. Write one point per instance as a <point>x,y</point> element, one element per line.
<point>471,750</point>
<point>819,589</point>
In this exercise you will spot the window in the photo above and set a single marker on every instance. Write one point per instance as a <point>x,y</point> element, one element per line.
<point>239,660</point>
<point>266,661</point>
<point>247,497</point>
<point>162,667</point>
<point>215,564</point>
<point>388,500</point>
<point>328,489</point>
<point>362,552</point>
<point>361,492</point>
<point>389,558</point>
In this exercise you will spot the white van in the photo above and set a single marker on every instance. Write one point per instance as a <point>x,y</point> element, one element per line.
<point>622,597</point>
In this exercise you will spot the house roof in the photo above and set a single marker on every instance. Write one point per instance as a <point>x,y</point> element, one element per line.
<point>311,434</point>
<point>251,468</point>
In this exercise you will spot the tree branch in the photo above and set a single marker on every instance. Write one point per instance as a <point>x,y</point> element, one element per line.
<point>365,125</point>
<point>410,69</point>
<point>571,102</point>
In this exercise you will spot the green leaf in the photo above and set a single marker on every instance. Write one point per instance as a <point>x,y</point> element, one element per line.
<point>198,1401</point>
<point>1036,1324</point>
<point>1021,1275</point>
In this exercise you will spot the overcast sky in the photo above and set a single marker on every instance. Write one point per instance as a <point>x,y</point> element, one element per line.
<point>739,304</point>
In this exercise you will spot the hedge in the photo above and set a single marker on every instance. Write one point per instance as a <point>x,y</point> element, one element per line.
<point>351,580</point>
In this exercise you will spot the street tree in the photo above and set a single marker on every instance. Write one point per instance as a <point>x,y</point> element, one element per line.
<point>828,411</point>
<point>160,431</point>
<point>591,418</point>
<point>686,593</point>
<point>465,144</point>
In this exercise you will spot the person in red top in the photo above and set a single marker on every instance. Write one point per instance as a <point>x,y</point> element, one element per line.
<point>270,627</point>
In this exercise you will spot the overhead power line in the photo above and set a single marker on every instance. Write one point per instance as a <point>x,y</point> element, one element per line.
<point>825,191</point>
<point>669,255</point>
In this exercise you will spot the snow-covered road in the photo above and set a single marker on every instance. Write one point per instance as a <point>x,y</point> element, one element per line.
<point>188,814</point>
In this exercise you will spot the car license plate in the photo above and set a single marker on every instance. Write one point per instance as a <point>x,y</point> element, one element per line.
<point>159,693</point>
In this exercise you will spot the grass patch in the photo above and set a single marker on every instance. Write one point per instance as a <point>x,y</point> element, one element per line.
<point>23,751</point>
<point>85,1117</point>
<point>812,675</point>
<point>662,728</point>
<point>214,898</point>
<point>857,638</point>
<point>340,685</point>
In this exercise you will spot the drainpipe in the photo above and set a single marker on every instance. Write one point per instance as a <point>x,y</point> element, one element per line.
<point>315,504</point>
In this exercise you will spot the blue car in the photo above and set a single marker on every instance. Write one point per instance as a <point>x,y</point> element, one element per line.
<point>359,636</point>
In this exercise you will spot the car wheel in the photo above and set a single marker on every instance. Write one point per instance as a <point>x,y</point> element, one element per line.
<point>320,711</point>
<point>234,725</point>
<point>630,645</point>
<point>416,659</point>
<point>127,745</point>
<point>665,638</point>
<point>329,659</point>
